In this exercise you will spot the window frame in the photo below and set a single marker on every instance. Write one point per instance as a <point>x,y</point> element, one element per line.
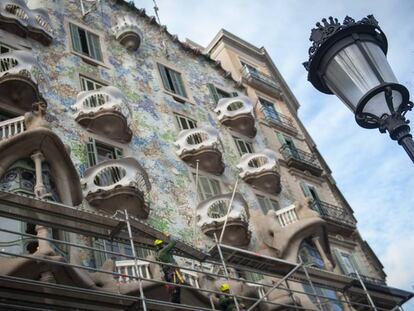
<point>248,145</point>
<point>92,151</point>
<point>87,58</point>
<point>4,45</point>
<point>269,204</point>
<point>201,193</point>
<point>215,93</point>
<point>84,79</point>
<point>162,70</point>
<point>187,120</point>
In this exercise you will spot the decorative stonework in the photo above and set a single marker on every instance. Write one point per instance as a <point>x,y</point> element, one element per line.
<point>237,113</point>
<point>261,170</point>
<point>17,18</point>
<point>202,145</point>
<point>127,32</point>
<point>118,184</point>
<point>212,213</point>
<point>104,111</point>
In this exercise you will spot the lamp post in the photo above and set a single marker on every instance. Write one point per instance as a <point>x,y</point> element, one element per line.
<point>349,60</point>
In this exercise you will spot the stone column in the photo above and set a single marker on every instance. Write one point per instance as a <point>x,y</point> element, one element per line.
<point>326,261</point>
<point>39,189</point>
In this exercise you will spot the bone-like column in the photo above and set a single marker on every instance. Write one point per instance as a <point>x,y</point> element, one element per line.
<point>39,189</point>
<point>326,261</point>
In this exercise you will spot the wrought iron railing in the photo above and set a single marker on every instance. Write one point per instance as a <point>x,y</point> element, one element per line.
<point>333,212</point>
<point>278,119</point>
<point>368,279</point>
<point>249,72</point>
<point>299,155</point>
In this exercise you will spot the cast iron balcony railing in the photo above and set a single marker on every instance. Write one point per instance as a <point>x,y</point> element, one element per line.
<point>201,145</point>
<point>211,214</point>
<point>237,114</point>
<point>17,18</point>
<point>333,213</point>
<point>261,171</point>
<point>114,183</point>
<point>279,120</point>
<point>261,80</point>
<point>368,279</point>
<point>300,159</point>
<point>104,111</point>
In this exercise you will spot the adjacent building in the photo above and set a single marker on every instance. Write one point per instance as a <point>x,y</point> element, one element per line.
<point>113,132</point>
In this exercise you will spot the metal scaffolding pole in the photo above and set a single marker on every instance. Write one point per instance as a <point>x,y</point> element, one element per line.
<point>137,270</point>
<point>365,290</point>
<point>228,211</point>
<point>318,301</point>
<point>276,285</point>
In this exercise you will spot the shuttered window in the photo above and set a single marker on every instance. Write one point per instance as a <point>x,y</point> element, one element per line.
<point>269,109</point>
<point>172,80</point>
<point>207,187</point>
<point>243,146</point>
<point>185,123</point>
<point>89,84</point>
<point>347,262</point>
<point>217,93</point>
<point>99,152</point>
<point>85,42</point>
<point>4,48</point>
<point>267,204</point>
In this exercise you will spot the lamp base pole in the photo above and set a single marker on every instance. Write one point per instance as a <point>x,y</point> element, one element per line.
<point>399,130</point>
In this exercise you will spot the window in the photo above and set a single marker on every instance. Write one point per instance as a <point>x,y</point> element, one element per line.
<point>172,80</point>
<point>253,276</point>
<point>185,123</point>
<point>85,42</point>
<point>249,67</point>
<point>4,48</point>
<point>329,303</point>
<point>347,262</point>
<point>217,93</point>
<point>243,146</point>
<point>207,187</point>
<point>89,84</point>
<point>99,152</point>
<point>309,254</point>
<point>267,204</point>
<point>269,109</point>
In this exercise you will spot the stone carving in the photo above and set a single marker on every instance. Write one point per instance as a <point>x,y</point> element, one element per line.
<point>36,118</point>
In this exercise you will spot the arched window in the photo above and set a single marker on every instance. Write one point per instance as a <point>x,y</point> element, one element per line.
<point>309,254</point>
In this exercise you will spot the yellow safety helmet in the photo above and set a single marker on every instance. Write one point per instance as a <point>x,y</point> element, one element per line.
<point>158,242</point>
<point>224,287</point>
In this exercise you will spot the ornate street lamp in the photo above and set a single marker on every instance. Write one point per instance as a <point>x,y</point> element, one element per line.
<point>349,60</point>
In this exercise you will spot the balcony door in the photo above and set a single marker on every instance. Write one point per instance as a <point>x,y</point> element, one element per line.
<point>312,193</point>
<point>269,109</point>
<point>288,146</point>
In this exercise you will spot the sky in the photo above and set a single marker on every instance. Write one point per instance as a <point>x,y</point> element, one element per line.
<point>373,172</point>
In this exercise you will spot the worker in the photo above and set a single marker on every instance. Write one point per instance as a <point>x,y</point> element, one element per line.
<point>171,274</point>
<point>226,302</point>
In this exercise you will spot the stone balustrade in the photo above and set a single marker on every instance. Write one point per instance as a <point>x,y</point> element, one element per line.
<point>212,213</point>
<point>127,32</point>
<point>12,127</point>
<point>16,17</point>
<point>104,111</point>
<point>201,145</point>
<point>261,170</point>
<point>287,216</point>
<point>114,184</point>
<point>237,113</point>
<point>127,270</point>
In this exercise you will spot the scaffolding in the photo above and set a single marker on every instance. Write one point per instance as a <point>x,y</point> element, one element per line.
<point>28,294</point>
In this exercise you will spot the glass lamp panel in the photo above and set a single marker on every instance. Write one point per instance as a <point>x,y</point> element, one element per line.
<point>380,61</point>
<point>349,75</point>
<point>377,105</point>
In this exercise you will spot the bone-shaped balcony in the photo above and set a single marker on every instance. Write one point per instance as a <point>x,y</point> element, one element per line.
<point>117,184</point>
<point>211,215</point>
<point>17,18</point>
<point>202,145</point>
<point>18,85</point>
<point>127,32</point>
<point>261,171</point>
<point>237,114</point>
<point>104,111</point>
